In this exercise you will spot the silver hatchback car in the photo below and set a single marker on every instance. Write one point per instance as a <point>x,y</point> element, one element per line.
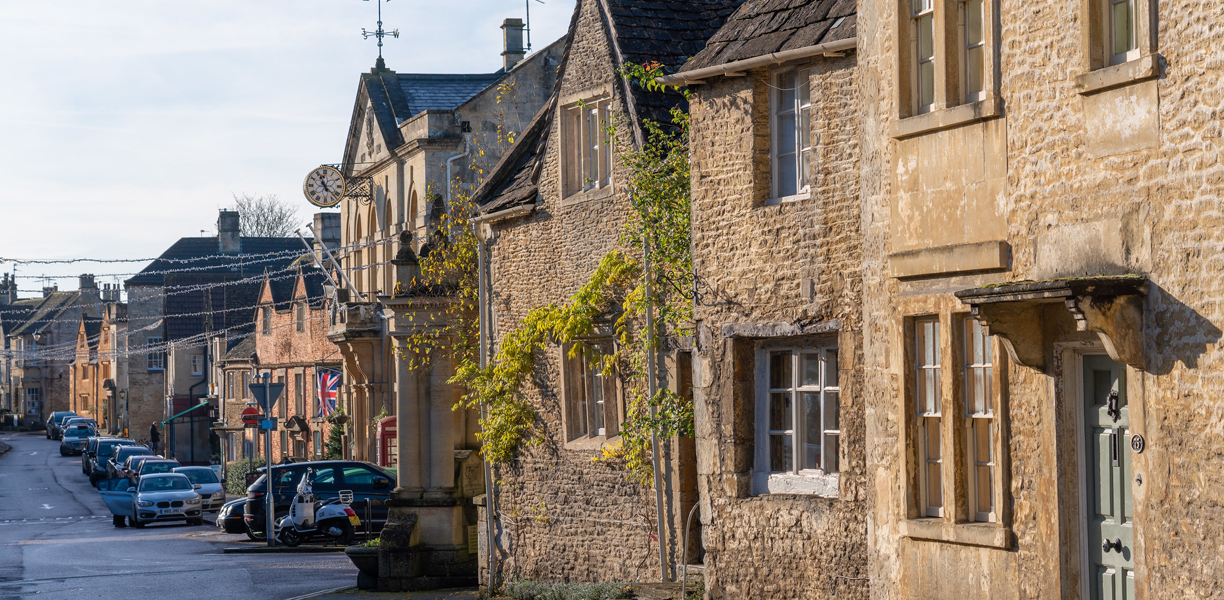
<point>165,497</point>
<point>212,494</point>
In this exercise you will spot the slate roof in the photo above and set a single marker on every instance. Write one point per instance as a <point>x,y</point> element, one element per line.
<point>397,97</point>
<point>666,31</point>
<point>282,289</point>
<point>46,312</point>
<point>221,307</point>
<point>14,315</point>
<point>763,27</point>
<point>206,250</point>
<point>241,349</point>
<point>93,330</point>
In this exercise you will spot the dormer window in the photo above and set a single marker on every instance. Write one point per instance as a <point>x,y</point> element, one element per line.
<point>587,151</point>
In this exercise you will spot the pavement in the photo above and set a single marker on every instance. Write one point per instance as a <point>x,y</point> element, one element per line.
<point>355,594</point>
<point>57,542</point>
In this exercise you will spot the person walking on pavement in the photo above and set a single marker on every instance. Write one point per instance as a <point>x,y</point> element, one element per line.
<point>154,437</point>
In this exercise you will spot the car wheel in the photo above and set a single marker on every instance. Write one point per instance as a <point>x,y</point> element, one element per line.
<point>134,522</point>
<point>119,521</point>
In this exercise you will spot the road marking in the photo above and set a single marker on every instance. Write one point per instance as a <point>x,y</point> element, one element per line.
<point>33,453</point>
<point>47,507</point>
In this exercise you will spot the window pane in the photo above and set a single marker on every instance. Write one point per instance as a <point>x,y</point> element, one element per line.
<point>809,366</point>
<point>926,37</point>
<point>926,83</point>
<point>981,436</point>
<point>780,411</point>
<point>985,497</point>
<point>786,134</point>
<point>788,173</point>
<point>597,394</point>
<point>812,431</point>
<point>779,370</point>
<point>830,366</point>
<point>781,453</point>
<point>973,21</point>
<point>832,415</point>
<point>805,168</point>
<point>934,489</point>
<point>1122,24</point>
<point>832,461</point>
<point>786,92</point>
<point>804,85</point>
<point>931,431</point>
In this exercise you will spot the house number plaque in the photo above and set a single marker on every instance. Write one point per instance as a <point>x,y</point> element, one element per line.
<point>1137,443</point>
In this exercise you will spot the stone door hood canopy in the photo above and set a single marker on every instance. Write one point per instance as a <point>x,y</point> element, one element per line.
<point>1110,306</point>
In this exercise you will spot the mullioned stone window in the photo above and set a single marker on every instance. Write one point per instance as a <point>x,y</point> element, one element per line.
<point>592,406</point>
<point>955,390</point>
<point>586,161</point>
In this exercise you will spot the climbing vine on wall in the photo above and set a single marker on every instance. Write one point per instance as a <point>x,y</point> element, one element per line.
<point>655,243</point>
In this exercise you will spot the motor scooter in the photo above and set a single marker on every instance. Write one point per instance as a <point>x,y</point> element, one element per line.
<point>309,517</point>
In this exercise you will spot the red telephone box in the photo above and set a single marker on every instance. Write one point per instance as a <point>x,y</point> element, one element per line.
<point>388,450</point>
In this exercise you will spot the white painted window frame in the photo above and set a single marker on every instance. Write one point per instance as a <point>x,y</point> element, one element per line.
<point>925,418</point>
<point>975,417</point>
<point>820,481</point>
<point>155,357</point>
<point>197,364</point>
<point>967,46</point>
<point>799,108</point>
<point>1111,36</point>
<point>920,9</point>
<point>586,161</point>
<point>587,417</point>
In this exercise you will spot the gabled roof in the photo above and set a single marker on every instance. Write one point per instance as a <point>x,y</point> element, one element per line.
<point>642,31</point>
<point>442,92</point>
<point>241,349</point>
<point>47,311</point>
<point>93,330</point>
<point>14,315</point>
<point>284,291</point>
<point>204,254</point>
<point>762,27</point>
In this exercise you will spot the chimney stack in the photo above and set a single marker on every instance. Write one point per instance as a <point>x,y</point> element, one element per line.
<point>8,290</point>
<point>48,290</point>
<point>512,38</point>
<point>87,282</point>
<point>229,227</point>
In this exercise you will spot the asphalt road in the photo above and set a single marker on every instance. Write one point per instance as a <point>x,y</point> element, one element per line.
<point>57,542</point>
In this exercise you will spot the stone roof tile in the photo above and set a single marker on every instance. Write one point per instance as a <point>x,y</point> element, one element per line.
<point>762,27</point>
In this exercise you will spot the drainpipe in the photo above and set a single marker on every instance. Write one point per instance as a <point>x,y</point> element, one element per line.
<point>482,304</point>
<point>651,389</point>
<point>449,164</point>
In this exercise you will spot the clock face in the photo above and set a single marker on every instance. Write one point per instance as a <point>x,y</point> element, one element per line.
<point>324,187</point>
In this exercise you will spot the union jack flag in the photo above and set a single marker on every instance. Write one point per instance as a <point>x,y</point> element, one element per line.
<point>329,390</point>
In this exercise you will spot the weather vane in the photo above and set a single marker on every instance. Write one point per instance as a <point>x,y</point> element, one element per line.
<point>379,33</point>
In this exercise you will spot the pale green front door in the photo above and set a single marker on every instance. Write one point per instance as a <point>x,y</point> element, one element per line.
<point>1107,459</point>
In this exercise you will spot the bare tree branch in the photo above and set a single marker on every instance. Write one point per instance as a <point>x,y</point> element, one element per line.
<point>265,216</point>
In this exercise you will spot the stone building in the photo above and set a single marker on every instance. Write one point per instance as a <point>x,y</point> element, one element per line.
<point>13,313</point>
<point>777,252</point>
<point>86,373</point>
<point>44,346</point>
<point>198,288</point>
<point>550,210</point>
<point>291,343</point>
<point>235,369</point>
<point>414,141</point>
<point>1040,183</point>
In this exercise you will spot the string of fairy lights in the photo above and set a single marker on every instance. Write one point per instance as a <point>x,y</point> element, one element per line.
<point>71,351</point>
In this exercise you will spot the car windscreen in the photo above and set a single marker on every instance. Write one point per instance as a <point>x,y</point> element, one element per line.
<point>164,484</point>
<point>200,476</point>
<point>123,453</point>
<point>108,448</point>
<point>157,467</point>
<point>64,417</point>
<point>78,431</point>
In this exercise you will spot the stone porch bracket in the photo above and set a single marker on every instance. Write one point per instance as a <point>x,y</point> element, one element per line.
<point>1110,306</point>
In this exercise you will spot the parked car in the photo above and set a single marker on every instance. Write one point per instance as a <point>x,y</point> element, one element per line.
<point>74,438</point>
<point>164,497</point>
<point>114,466</point>
<point>370,484</point>
<point>91,445</point>
<point>76,420</point>
<point>53,423</point>
<point>131,466</point>
<point>229,518</point>
<point>155,466</point>
<point>208,486</point>
<point>102,454</point>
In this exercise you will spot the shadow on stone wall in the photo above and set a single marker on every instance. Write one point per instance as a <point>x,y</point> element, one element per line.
<point>1176,332</point>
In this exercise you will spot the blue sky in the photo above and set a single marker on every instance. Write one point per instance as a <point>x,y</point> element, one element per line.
<point>126,124</point>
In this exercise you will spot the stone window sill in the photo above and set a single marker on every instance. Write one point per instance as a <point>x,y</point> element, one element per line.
<point>947,118</point>
<point>803,484</point>
<point>591,442</point>
<point>990,535</point>
<point>590,195</point>
<point>788,199</point>
<point>1108,78</point>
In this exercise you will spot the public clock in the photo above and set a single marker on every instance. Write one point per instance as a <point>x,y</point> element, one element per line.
<point>324,187</point>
